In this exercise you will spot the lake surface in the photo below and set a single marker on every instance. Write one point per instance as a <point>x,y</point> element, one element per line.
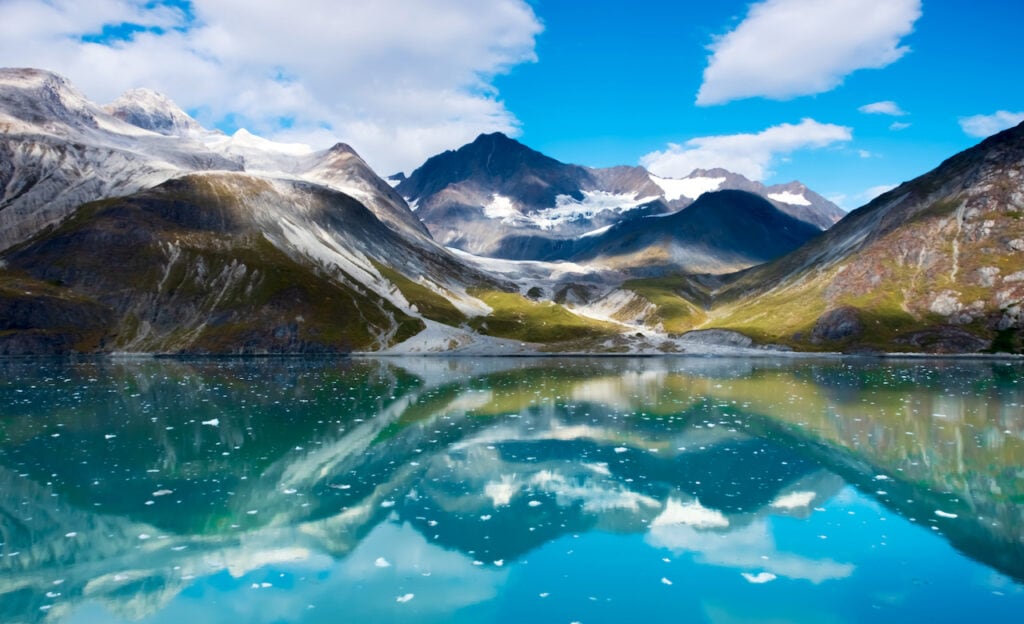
<point>510,490</point>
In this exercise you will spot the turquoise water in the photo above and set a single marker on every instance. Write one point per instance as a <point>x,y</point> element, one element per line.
<point>503,490</point>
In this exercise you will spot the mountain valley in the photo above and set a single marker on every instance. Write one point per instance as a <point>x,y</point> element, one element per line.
<point>131,229</point>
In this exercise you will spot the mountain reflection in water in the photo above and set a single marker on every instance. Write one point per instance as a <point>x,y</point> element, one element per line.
<point>490,489</point>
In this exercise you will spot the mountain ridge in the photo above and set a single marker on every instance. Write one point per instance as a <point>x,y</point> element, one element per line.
<point>497,197</point>
<point>116,237</point>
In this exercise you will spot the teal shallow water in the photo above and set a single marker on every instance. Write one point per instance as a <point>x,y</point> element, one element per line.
<point>503,490</point>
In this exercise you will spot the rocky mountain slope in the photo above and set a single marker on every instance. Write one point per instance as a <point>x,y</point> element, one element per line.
<point>131,228</point>
<point>496,197</point>
<point>936,264</point>
<point>721,232</point>
<point>120,238</point>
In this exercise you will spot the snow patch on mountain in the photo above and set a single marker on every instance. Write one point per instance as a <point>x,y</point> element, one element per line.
<point>597,232</point>
<point>567,209</point>
<point>788,197</point>
<point>691,188</point>
<point>501,207</point>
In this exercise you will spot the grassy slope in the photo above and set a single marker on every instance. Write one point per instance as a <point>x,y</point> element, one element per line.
<point>516,317</point>
<point>183,271</point>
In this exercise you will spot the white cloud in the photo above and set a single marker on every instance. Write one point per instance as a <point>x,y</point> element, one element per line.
<point>986,125</point>
<point>788,48</point>
<point>873,192</point>
<point>398,80</point>
<point>748,154</point>
<point>887,107</point>
<point>896,126</point>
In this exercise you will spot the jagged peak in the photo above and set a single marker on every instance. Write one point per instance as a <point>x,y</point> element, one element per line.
<point>32,78</point>
<point>151,110</point>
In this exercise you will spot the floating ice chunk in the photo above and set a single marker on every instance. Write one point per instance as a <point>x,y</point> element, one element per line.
<point>144,536</point>
<point>759,578</point>
<point>405,598</point>
<point>621,449</point>
<point>544,594</point>
<point>665,581</point>
<point>265,585</point>
<point>213,422</point>
<point>499,562</point>
<point>485,517</point>
<point>71,534</point>
<point>881,478</point>
<point>290,491</point>
<point>163,492</point>
<point>534,503</point>
<point>110,436</point>
<point>381,562</point>
<point>793,500</point>
<point>944,514</point>
<point>693,514</point>
<point>387,503</point>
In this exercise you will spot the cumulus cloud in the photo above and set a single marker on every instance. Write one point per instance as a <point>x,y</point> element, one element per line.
<point>398,80</point>
<point>748,154</point>
<point>788,48</point>
<point>887,107</point>
<point>982,126</point>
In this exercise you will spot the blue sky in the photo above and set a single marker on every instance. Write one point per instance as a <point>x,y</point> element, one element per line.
<point>786,88</point>
<point>618,81</point>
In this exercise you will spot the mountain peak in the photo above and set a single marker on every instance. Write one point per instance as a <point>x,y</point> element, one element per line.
<point>154,111</point>
<point>40,96</point>
<point>486,138</point>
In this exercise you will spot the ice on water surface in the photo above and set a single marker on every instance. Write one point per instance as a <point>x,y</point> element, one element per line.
<point>478,490</point>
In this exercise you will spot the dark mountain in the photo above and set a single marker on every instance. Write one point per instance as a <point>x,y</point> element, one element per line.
<point>721,232</point>
<point>496,197</point>
<point>501,166</point>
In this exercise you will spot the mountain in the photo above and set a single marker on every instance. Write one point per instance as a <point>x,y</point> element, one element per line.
<point>721,232</point>
<point>120,238</point>
<point>132,228</point>
<point>154,111</point>
<point>936,264</point>
<point>58,150</point>
<point>496,197</point>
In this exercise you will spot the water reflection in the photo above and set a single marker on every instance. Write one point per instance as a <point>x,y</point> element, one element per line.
<point>485,490</point>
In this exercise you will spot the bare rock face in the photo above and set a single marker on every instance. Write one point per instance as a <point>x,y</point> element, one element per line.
<point>716,338</point>
<point>837,324</point>
<point>944,339</point>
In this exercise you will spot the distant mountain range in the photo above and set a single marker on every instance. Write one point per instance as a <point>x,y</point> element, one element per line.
<point>496,197</point>
<point>129,227</point>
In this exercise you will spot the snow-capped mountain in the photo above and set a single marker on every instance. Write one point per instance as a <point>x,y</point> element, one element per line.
<point>499,198</point>
<point>154,111</point>
<point>203,241</point>
<point>58,150</point>
<point>132,228</point>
